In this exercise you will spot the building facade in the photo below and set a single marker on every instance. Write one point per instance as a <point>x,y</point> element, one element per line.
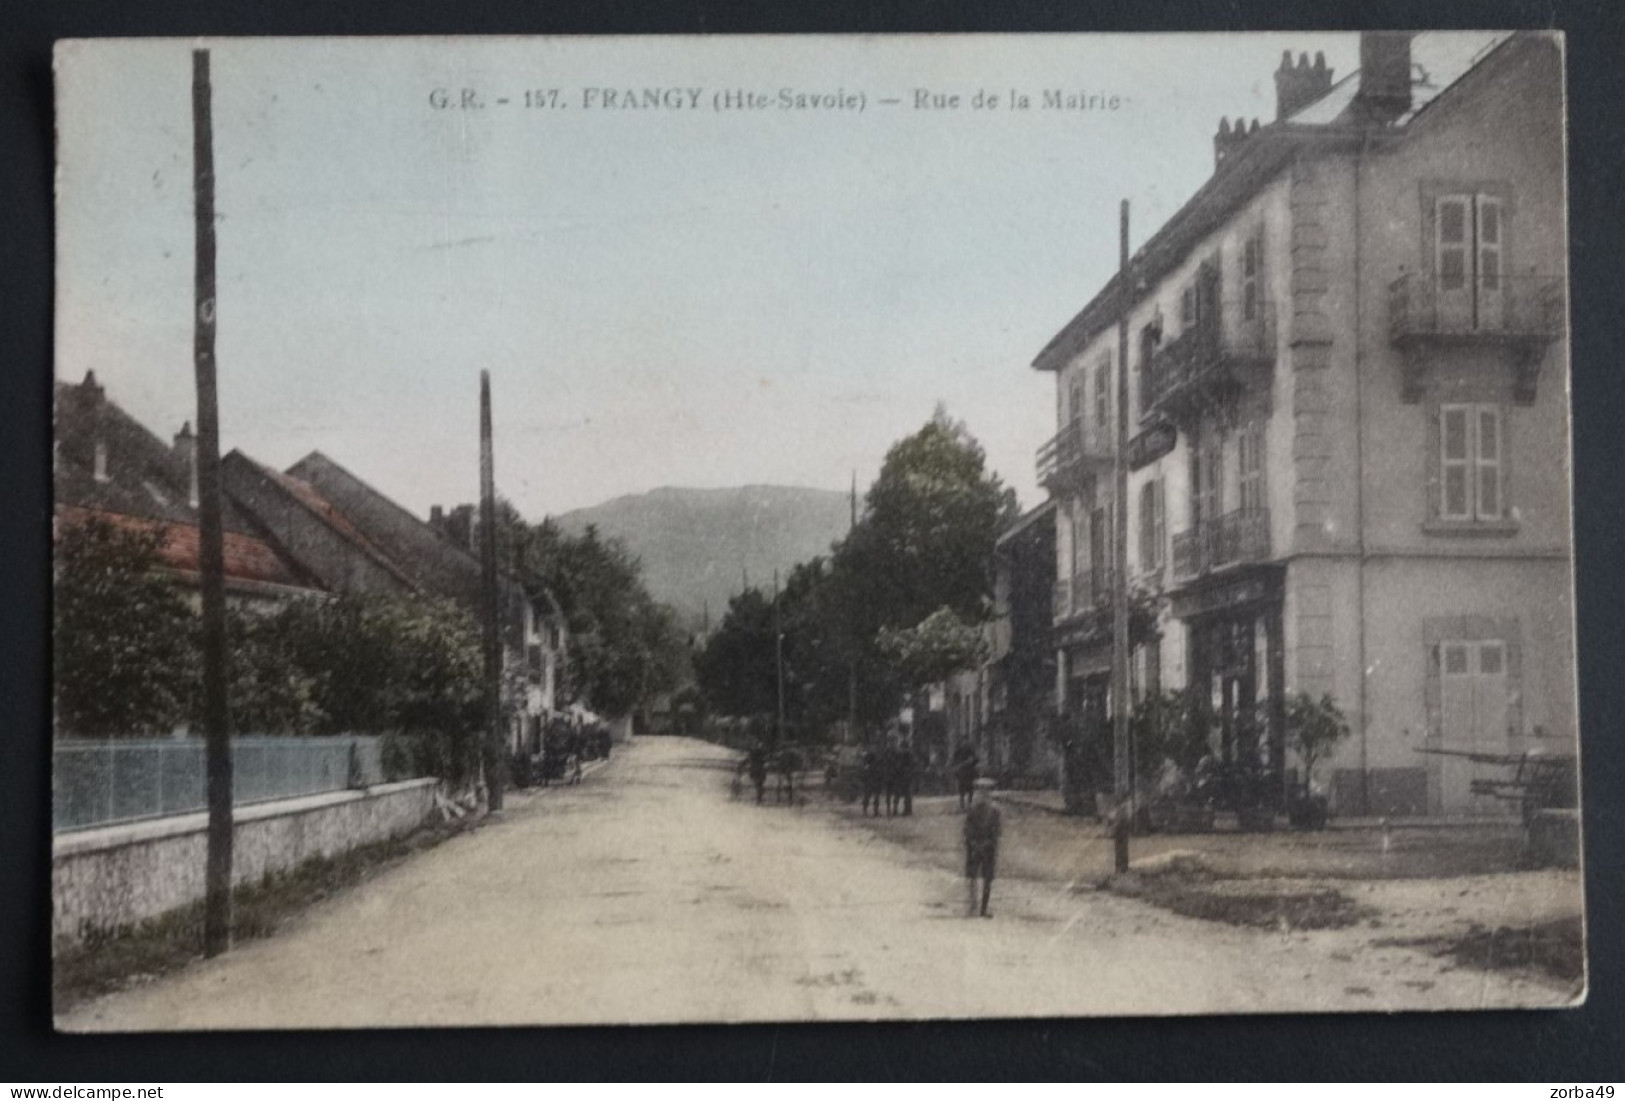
<point>1348,386</point>
<point>357,540</point>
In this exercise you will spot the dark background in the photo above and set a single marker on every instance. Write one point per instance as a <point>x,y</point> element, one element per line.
<point>1581,1046</point>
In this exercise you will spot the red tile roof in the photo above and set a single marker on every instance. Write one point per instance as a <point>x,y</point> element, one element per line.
<point>248,558</point>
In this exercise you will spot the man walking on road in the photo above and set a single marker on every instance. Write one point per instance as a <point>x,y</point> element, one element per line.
<point>981,846</point>
<point>756,765</point>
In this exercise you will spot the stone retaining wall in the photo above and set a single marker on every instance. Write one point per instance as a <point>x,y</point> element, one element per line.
<point>115,876</point>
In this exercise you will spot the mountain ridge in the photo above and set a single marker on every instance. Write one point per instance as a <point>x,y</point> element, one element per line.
<point>700,546</point>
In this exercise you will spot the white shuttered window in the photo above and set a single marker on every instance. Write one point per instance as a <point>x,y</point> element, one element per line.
<point>1471,486</point>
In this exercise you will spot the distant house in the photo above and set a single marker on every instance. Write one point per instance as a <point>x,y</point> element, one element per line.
<point>1003,707</point>
<point>1020,671</point>
<point>108,466</point>
<point>357,540</point>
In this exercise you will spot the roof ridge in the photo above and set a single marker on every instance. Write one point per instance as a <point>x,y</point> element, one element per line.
<point>384,498</point>
<point>301,491</point>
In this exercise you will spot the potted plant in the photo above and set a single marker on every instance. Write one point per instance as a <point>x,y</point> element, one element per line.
<point>1314,727</point>
<point>1170,737</point>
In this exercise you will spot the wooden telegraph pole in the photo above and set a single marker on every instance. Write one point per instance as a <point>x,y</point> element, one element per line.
<point>778,659</point>
<point>1122,771</point>
<point>852,664</point>
<point>495,760</point>
<point>211,552</point>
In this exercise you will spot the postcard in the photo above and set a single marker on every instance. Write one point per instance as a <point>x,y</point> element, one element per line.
<point>724,529</point>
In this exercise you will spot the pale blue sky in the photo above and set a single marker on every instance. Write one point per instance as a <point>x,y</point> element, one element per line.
<point>662,298</point>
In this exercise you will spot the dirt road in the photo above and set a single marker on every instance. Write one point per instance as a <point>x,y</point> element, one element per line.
<point>649,895</point>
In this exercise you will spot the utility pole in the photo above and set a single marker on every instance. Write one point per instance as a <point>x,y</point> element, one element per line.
<point>778,658</point>
<point>1122,771</point>
<point>852,664</point>
<point>211,549</point>
<point>495,759</point>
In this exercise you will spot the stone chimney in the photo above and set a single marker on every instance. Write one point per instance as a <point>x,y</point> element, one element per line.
<point>90,391</point>
<point>460,525</point>
<point>437,517</point>
<point>1227,141</point>
<point>186,452</point>
<point>1299,84</point>
<point>1385,75</point>
<point>92,402</point>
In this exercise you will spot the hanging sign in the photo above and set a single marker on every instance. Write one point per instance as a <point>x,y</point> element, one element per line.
<point>1151,445</point>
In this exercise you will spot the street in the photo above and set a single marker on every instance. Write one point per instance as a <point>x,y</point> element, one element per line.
<point>649,894</point>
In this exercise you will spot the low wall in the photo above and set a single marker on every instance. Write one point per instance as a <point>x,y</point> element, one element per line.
<point>114,876</point>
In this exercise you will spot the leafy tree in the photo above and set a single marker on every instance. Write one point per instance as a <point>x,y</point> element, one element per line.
<point>736,670</point>
<point>268,691</point>
<point>388,662</point>
<point>820,663</point>
<point>625,648</point>
<point>124,634</point>
<point>927,539</point>
<point>924,544</point>
<point>1313,729</point>
<point>934,649</point>
<point>1167,726</point>
<point>900,598</point>
<point>409,667</point>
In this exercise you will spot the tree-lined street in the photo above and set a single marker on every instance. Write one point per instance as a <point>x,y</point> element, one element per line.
<point>649,894</point>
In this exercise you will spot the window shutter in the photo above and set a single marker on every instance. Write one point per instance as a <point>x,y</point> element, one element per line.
<point>1491,298</point>
<point>1489,462</point>
<point>1103,399</point>
<point>1252,263</point>
<point>1159,535</point>
<point>1454,448</point>
<point>1148,493</point>
<point>1450,221</point>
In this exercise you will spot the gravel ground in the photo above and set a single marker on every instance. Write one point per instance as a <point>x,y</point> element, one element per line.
<point>649,895</point>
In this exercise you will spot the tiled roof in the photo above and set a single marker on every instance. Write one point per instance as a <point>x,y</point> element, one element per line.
<point>247,557</point>
<point>1042,514</point>
<point>146,484</point>
<point>144,475</point>
<point>434,562</point>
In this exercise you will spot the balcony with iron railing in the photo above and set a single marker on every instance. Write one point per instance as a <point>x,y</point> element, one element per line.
<point>1088,591</point>
<point>1517,315</point>
<point>1076,452</point>
<point>1233,539</point>
<point>1229,349</point>
<point>1489,308</point>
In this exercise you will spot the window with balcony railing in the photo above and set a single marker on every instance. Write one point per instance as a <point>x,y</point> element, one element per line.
<point>1074,452</point>
<point>1217,351</point>
<point>1443,307</point>
<point>1235,538</point>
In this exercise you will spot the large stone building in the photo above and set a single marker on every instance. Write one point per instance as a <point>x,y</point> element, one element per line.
<point>1348,397</point>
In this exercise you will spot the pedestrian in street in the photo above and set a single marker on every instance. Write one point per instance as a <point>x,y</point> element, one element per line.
<point>789,763</point>
<point>873,779</point>
<point>893,765</point>
<point>906,765</point>
<point>756,765</point>
<point>982,827</point>
<point>578,749</point>
<point>964,766</point>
